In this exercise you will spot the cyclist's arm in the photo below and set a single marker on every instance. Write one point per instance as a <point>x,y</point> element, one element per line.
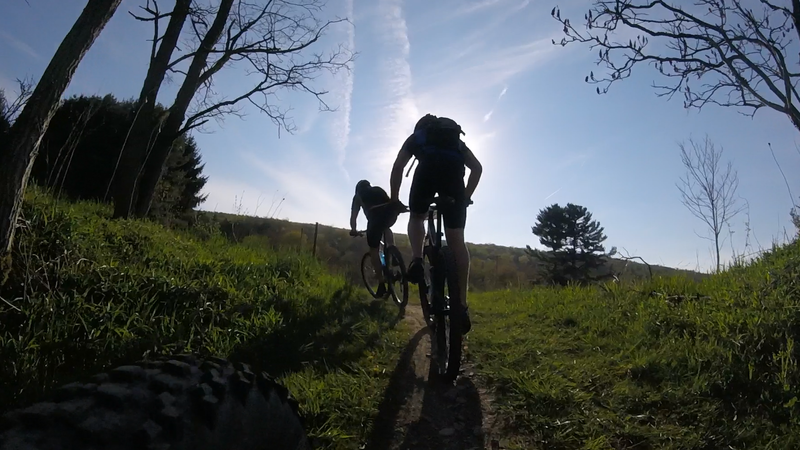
<point>475,171</point>
<point>356,206</point>
<point>403,156</point>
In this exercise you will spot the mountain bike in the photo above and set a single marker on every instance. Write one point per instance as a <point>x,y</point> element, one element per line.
<point>394,272</point>
<point>444,312</point>
<point>166,402</point>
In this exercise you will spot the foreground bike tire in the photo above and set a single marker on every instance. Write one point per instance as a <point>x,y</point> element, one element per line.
<point>179,402</point>
<point>394,261</point>
<point>366,270</point>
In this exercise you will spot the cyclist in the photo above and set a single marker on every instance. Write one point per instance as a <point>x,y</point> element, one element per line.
<point>436,143</point>
<point>381,214</point>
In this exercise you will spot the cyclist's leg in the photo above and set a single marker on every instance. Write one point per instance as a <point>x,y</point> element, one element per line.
<point>423,188</point>
<point>388,220</point>
<point>455,218</point>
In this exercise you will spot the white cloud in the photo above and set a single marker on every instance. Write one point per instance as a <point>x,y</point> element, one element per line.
<point>309,196</point>
<point>553,193</point>
<point>20,46</point>
<point>400,109</point>
<point>340,127</point>
<point>476,6</point>
<point>488,116</point>
<point>502,93</point>
<point>231,196</point>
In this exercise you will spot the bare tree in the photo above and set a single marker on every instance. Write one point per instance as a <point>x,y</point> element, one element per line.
<point>270,42</point>
<point>141,134</point>
<point>10,110</point>
<point>709,189</point>
<point>16,161</point>
<point>724,52</point>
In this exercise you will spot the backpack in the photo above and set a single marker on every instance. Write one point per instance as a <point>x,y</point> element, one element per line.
<point>438,140</point>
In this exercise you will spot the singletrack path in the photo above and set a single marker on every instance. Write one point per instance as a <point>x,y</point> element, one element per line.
<point>419,414</point>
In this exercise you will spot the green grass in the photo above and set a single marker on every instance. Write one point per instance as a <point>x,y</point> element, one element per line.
<point>669,363</point>
<point>86,292</point>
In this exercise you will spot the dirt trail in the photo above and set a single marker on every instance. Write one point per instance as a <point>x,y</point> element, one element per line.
<point>418,414</point>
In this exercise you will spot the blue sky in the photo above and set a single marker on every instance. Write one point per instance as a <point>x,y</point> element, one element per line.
<point>543,135</point>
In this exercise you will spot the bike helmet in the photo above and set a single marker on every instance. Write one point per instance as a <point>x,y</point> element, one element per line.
<point>362,185</point>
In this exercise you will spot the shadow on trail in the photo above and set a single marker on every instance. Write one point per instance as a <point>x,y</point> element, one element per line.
<point>329,333</point>
<point>446,417</point>
<point>401,385</point>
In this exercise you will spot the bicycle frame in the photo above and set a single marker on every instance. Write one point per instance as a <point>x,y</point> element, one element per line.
<point>381,248</point>
<point>433,239</point>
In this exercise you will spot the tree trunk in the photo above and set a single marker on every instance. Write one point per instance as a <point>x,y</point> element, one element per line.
<point>144,127</point>
<point>17,160</point>
<point>177,113</point>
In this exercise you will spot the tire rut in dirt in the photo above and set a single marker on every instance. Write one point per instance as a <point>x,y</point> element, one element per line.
<point>170,403</point>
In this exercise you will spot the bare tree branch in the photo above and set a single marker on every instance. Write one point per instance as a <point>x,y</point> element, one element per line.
<point>271,40</point>
<point>722,52</point>
<point>155,16</point>
<point>10,111</point>
<point>627,257</point>
<point>708,190</point>
<point>267,42</point>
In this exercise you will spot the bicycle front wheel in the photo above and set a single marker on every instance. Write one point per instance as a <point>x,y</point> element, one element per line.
<point>396,279</point>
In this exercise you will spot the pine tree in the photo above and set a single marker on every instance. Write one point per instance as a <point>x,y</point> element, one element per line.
<point>575,241</point>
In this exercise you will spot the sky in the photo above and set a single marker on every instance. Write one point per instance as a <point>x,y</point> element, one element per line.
<point>542,134</point>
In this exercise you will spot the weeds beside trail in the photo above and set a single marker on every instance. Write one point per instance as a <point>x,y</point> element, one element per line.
<point>663,364</point>
<point>86,292</point>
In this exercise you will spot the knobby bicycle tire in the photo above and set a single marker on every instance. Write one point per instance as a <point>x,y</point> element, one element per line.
<point>435,297</point>
<point>423,287</point>
<point>393,253</point>
<point>367,258</point>
<point>455,318</point>
<point>169,403</point>
<point>446,327</point>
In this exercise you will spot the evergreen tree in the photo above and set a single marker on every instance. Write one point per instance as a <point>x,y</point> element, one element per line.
<point>80,156</point>
<point>575,241</point>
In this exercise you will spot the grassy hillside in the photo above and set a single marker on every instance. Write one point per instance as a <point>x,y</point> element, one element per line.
<point>87,292</point>
<point>493,266</point>
<point>668,364</point>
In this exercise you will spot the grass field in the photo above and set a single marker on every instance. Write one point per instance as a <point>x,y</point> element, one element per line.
<point>663,364</point>
<point>87,292</point>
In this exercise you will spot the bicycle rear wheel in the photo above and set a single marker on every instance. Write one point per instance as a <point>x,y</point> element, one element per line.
<point>368,274</point>
<point>447,312</point>
<point>396,279</point>
<point>170,403</point>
